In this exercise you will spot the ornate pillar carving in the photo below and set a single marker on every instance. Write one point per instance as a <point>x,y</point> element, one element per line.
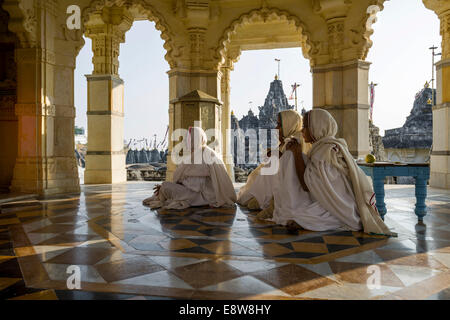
<point>197,80</point>
<point>105,159</point>
<point>440,156</point>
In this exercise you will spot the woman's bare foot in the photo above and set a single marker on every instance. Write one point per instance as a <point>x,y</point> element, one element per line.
<point>293,226</point>
<point>253,205</point>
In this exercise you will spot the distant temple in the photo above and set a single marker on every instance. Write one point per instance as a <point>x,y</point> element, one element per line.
<point>275,102</point>
<point>413,141</point>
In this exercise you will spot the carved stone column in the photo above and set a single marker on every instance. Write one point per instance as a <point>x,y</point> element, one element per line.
<point>341,77</point>
<point>105,159</point>
<point>226,118</point>
<point>45,161</point>
<point>181,83</point>
<point>342,89</point>
<point>440,157</point>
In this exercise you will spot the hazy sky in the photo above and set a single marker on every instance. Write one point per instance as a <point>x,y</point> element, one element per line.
<point>401,63</point>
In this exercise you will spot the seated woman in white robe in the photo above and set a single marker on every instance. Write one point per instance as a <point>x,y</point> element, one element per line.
<point>292,201</point>
<point>336,184</point>
<point>201,179</point>
<point>258,193</point>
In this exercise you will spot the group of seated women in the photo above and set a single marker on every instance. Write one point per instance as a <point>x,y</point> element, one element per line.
<point>317,185</point>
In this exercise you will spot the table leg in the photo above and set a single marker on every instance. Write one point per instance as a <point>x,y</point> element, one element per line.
<point>378,186</point>
<point>421,195</point>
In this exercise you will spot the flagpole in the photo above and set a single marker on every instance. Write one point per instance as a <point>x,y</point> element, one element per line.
<point>279,75</point>
<point>296,100</point>
<point>372,99</point>
<point>433,54</point>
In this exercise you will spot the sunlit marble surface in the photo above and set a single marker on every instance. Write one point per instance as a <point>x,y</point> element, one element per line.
<point>127,251</point>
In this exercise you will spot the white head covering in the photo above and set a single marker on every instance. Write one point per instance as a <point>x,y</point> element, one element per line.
<point>323,128</point>
<point>291,128</point>
<point>324,124</point>
<point>196,142</point>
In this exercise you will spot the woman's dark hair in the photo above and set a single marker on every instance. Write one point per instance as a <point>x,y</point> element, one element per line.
<point>306,120</point>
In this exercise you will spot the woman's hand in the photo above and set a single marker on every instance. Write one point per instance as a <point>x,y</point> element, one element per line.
<point>294,146</point>
<point>156,189</point>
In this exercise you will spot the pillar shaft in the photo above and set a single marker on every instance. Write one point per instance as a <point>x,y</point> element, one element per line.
<point>182,82</point>
<point>46,161</point>
<point>105,159</point>
<point>342,89</point>
<point>226,120</point>
<point>440,156</point>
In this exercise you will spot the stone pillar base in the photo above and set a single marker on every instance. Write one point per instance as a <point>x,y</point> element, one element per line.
<point>56,175</point>
<point>105,169</point>
<point>440,180</point>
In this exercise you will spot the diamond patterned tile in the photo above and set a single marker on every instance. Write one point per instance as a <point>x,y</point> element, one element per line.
<point>214,253</point>
<point>206,273</point>
<point>125,269</point>
<point>82,256</point>
<point>157,279</point>
<point>359,273</point>
<point>293,279</point>
<point>246,284</point>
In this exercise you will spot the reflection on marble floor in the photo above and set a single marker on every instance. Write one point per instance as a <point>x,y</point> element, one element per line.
<point>127,251</point>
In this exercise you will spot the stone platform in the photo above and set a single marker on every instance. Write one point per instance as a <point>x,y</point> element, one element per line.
<point>127,251</point>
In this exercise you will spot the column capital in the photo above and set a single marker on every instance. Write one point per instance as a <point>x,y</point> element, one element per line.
<point>331,9</point>
<point>439,6</point>
<point>107,30</point>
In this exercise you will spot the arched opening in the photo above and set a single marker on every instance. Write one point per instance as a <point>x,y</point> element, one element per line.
<point>259,93</point>
<point>260,39</point>
<point>139,88</point>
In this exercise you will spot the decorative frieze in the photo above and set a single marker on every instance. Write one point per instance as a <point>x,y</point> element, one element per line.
<point>336,39</point>
<point>23,21</point>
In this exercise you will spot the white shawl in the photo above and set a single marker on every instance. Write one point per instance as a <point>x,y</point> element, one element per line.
<point>327,148</point>
<point>201,155</point>
<point>291,126</point>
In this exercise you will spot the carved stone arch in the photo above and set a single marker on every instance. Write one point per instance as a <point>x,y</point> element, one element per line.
<point>150,12</point>
<point>264,13</point>
<point>364,30</point>
<point>22,21</point>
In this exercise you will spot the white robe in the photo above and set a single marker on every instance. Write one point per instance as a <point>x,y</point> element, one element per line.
<point>291,202</point>
<point>333,189</point>
<point>196,185</point>
<point>259,187</point>
<point>336,181</point>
